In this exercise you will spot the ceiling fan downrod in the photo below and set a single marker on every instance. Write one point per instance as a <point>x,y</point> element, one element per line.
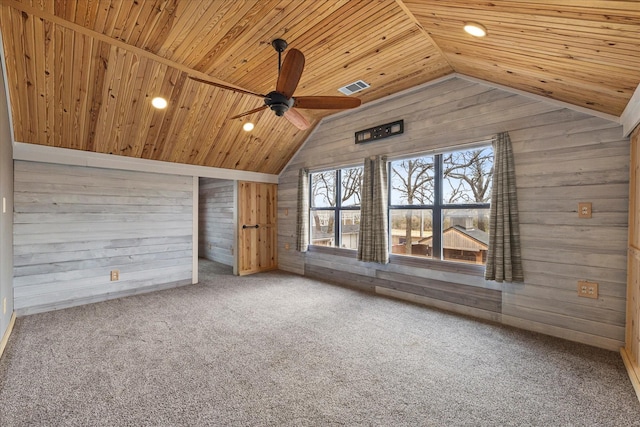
<point>279,45</point>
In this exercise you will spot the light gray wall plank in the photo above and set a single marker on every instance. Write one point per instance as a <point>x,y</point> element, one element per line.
<point>216,220</point>
<point>74,224</point>
<point>6,217</point>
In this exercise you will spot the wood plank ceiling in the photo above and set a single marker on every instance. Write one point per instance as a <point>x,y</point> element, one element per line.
<point>81,73</point>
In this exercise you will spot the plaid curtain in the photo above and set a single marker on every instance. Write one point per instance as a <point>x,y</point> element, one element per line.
<point>373,242</point>
<point>302,226</point>
<point>504,258</point>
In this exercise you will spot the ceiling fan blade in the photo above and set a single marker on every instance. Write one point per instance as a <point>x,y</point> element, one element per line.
<point>246,113</point>
<point>326,102</point>
<point>290,73</point>
<point>235,89</point>
<point>297,119</point>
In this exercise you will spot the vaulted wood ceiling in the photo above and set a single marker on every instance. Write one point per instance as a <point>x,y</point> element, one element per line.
<point>81,73</point>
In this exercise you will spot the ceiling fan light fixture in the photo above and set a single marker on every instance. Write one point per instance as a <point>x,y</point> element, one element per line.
<point>159,103</point>
<point>279,108</point>
<point>248,127</point>
<point>475,29</point>
<point>278,103</point>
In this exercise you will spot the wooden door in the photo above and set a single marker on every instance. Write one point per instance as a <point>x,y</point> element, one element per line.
<point>257,231</point>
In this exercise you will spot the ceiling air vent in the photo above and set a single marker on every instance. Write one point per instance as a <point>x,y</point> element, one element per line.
<point>354,87</point>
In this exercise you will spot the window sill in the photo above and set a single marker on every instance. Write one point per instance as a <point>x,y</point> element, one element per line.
<point>332,250</point>
<point>427,264</point>
<point>440,265</point>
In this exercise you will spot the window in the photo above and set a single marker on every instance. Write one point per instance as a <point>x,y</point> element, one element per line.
<point>439,205</point>
<point>335,209</point>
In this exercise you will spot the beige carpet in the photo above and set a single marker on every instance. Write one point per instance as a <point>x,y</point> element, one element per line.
<point>275,349</point>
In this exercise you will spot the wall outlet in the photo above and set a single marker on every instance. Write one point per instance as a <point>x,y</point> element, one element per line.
<point>584,210</point>
<point>115,275</point>
<point>587,289</point>
<point>287,246</point>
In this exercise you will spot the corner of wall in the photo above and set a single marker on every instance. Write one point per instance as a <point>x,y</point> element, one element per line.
<point>6,207</point>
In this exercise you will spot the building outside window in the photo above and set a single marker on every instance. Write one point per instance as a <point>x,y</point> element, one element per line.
<point>329,202</point>
<point>439,205</point>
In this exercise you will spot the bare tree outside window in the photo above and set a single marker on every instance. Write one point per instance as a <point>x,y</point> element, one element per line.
<point>323,189</point>
<point>465,179</point>
<point>336,196</point>
<point>468,178</point>
<point>412,181</point>
<point>412,184</point>
<point>323,194</point>
<point>351,184</point>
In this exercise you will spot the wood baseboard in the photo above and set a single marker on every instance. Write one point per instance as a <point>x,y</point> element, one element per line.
<point>632,370</point>
<point>5,338</point>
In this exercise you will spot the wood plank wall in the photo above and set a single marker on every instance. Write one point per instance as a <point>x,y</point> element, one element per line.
<point>631,350</point>
<point>6,217</point>
<point>562,157</point>
<point>73,225</point>
<point>216,220</point>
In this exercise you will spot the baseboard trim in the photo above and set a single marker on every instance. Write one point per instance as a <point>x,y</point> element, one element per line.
<point>442,305</point>
<point>25,311</point>
<point>558,332</point>
<point>7,334</point>
<point>632,370</point>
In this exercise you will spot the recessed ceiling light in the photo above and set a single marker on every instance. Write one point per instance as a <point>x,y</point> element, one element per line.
<point>475,29</point>
<point>248,127</point>
<point>159,103</point>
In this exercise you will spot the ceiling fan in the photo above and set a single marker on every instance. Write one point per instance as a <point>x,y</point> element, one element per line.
<point>281,100</point>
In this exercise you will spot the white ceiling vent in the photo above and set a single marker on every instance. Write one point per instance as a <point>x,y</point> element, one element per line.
<point>354,87</point>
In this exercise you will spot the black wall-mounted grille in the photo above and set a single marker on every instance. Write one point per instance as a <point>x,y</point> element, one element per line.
<point>380,132</point>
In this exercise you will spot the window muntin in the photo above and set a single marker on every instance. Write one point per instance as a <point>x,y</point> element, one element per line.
<point>444,199</point>
<point>330,201</point>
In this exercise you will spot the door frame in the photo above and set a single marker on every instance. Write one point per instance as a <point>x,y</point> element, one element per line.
<point>236,234</point>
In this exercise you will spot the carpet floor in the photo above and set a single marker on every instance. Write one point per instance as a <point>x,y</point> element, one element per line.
<point>275,349</point>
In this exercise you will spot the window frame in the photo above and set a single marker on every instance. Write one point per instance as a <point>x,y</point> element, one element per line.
<point>438,206</point>
<point>336,209</point>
